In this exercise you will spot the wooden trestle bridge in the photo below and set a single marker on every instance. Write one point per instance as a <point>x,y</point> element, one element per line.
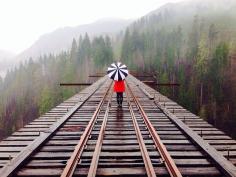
<point>88,135</point>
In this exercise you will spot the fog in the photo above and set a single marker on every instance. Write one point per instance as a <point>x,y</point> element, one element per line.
<point>22,22</point>
<point>190,43</point>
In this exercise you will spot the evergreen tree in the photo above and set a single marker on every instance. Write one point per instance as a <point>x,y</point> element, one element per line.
<point>201,65</point>
<point>193,39</point>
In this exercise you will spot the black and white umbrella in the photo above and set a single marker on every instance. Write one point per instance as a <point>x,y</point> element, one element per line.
<point>117,71</point>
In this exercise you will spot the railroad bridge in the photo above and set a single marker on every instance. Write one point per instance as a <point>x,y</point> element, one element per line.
<point>88,135</point>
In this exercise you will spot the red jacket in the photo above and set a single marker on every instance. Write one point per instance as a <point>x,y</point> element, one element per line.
<point>119,86</point>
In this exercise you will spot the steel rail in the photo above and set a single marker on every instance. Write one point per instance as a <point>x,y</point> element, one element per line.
<point>10,168</point>
<point>146,158</point>
<point>98,147</point>
<point>75,157</point>
<point>169,162</point>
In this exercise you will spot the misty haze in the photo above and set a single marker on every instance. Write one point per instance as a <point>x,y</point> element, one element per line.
<point>179,62</point>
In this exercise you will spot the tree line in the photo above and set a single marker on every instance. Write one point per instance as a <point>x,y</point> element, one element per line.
<point>32,89</point>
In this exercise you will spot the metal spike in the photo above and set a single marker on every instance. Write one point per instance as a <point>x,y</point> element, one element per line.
<point>228,157</point>
<point>80,161</point>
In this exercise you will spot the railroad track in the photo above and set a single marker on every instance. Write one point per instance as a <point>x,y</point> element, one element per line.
<point>95,138</point>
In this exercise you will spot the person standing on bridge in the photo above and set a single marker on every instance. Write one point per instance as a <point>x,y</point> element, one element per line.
<point>118,72</point>
<point>119,88</point>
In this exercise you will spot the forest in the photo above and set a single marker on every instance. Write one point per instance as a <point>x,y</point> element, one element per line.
<point>32,89</point>
<point>201,59</point>
<point>198,52</point>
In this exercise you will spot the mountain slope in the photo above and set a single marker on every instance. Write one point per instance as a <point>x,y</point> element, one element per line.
<point>183,13</point>
<point>191,43</point>
<point>61,39</point>
<point>197,6</point>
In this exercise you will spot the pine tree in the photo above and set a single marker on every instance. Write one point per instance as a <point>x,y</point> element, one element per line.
<point>193,39</point>
<point>201,65</point>
<point>74,50</point>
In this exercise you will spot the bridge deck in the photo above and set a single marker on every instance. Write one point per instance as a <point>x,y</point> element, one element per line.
<point>59,131</point>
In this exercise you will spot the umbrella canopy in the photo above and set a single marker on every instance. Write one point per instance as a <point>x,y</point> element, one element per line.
<point>117,71</point>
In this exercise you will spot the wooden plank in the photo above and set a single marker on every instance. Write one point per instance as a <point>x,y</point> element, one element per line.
<point>226,166</point>
<point>151,97</point>
<point>201,171</point>
<point>7,155</point>
<point>56,155</point>
<point>14,143</point>
<point>21,138</point>
<point>116,163</point>
<point>69,148</point>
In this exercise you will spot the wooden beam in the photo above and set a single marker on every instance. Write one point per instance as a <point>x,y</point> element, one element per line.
<point>75,84</point>
<point>137,75</point>
<point>161,84</point>
<point>96,75</point>
<point>149,82</point>
<point>168,84</point>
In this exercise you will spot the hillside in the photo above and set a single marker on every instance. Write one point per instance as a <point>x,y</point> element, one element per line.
<point>182,13</point>
<point>61,39</point>
<point>200,7</point>
<point>191,43</point>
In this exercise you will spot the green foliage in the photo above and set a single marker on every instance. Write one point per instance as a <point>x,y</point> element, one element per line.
<point>33,88</point>
<point>196,56</point>
<point>193,38</point>
<point>201,65</point>
<point>45,101</point>
<point>217,69</point>
<point>102,52</point>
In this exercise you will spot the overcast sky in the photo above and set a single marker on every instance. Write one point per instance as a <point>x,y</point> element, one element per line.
<point>23,21</point>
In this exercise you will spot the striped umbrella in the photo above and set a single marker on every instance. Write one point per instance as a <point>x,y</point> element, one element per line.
<point>117,71</point>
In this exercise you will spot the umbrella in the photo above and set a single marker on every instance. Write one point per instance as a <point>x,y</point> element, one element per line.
<point>117,71</point>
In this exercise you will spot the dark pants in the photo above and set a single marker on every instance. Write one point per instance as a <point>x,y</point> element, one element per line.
<point>119,97</point>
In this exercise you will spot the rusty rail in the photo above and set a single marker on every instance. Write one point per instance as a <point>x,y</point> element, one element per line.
<point>170,165</point>
<point>146,158</point>
<point>98,147</point>
<point>75,157</point>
